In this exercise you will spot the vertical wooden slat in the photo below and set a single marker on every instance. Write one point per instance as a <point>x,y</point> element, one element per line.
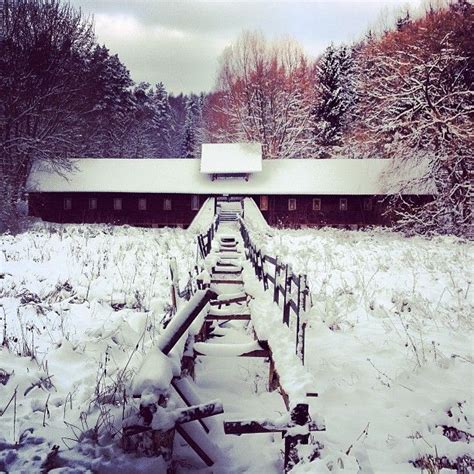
<point>275,282</point>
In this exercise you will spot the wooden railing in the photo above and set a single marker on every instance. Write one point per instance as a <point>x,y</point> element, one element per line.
<point>290,290</point>
<point>204,240</point>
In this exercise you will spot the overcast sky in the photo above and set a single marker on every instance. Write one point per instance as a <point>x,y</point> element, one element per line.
<point>179,42</point>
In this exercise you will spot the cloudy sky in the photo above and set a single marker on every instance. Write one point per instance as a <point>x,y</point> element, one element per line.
<point>179,42</point>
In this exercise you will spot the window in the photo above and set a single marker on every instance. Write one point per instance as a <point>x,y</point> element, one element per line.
<point>316,204</point>
<point>264,203</point>
<point>292,204</point>
<point>343,204</point>
<point>92,204</point>
<point>117,204</point>
<point>167,204</point>
<point>195,202</point>
<point>142,204</point>
<point>67,204</point>
<point>368,204</point>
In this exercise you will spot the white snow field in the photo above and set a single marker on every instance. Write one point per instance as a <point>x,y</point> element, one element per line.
<point>79,307</point>
<point>389,345</point>
<point>388,348</point>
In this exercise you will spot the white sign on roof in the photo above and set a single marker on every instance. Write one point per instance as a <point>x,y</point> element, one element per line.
<point>231,158</point>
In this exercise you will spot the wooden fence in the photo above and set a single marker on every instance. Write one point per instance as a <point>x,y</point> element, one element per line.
<point>204,240</point>
<point>290,290</point>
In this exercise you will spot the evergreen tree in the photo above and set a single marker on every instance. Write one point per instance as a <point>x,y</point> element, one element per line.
<point>333,95</point>
<point>192,125</point>
<point>161,122</point>
<point>178,119</point>
<point>109,91</point>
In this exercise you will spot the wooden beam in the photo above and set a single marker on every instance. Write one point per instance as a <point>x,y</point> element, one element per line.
<point>228,317</point>
<point>239,428</point>
<point>181,386</point>
<point>197,412</point>
<point>256,353</point>
<point>228,282</point>
<point>222,302</point>
<point>181,321</point>
<point>194,446</point>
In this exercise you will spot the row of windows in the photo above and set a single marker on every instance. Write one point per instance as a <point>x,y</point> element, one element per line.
<point>142,204</point>
<point>343,205</point>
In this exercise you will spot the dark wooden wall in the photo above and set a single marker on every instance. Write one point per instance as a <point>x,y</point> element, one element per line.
<point>50,207</point>
<point>330,213</point>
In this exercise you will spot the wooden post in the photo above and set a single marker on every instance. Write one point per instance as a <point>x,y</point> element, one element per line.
<point>299,416</point>
<point>275,282</point>
<point>298,307</point>
<point>286,307</point>
<point>264,274</point>
<point>305,291</point>
<point>303,340</point>
<point>174,284</point>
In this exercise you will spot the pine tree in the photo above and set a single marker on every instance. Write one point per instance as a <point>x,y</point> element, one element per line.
<point>109,91</point>
<point>192,126</point>
<point>161,122</point>
<point>333,95</point>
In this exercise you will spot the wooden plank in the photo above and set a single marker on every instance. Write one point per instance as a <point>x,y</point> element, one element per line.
<point>228,282</point>
<point>253,427</point>
<point>182,388</point>
<point>256,353</point>
<point>270,278</point>
<point>228,317</point>
<point>227,272</point>
<point>250,427</point>
<point>221,302</point>
<point>197,412</point>
<point>267,258</point>
<point>293,306</point>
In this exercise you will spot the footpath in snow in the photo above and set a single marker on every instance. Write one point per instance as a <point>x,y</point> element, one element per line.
<point>240,382</point>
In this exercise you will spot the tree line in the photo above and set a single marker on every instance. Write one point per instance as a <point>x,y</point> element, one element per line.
<point>403,93</point>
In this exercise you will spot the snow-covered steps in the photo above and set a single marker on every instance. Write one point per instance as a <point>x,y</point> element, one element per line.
<point>230,312</point>
<point>226,269</point>
<point>249,349</point>
<point>225,299</point>
<point>226,281</point>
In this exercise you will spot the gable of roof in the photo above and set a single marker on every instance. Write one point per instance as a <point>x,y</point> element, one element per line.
<point>231,158</point>
<point>183,176</point>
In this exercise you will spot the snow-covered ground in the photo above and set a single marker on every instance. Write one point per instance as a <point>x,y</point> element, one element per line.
<point>389,344</point>
<point>79,306</point>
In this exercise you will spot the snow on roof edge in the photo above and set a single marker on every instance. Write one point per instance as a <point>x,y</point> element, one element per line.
<point>182,176</point>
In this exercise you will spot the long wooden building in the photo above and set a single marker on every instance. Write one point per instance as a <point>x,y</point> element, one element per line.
<point>170,192</point>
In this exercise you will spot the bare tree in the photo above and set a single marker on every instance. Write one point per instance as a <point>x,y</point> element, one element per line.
<point>416,99</point>
<point>43,53</point>
<point>264,95</point>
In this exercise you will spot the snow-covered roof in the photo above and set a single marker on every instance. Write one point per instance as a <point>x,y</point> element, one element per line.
<point>174,175</point>
<point>229,158</point>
